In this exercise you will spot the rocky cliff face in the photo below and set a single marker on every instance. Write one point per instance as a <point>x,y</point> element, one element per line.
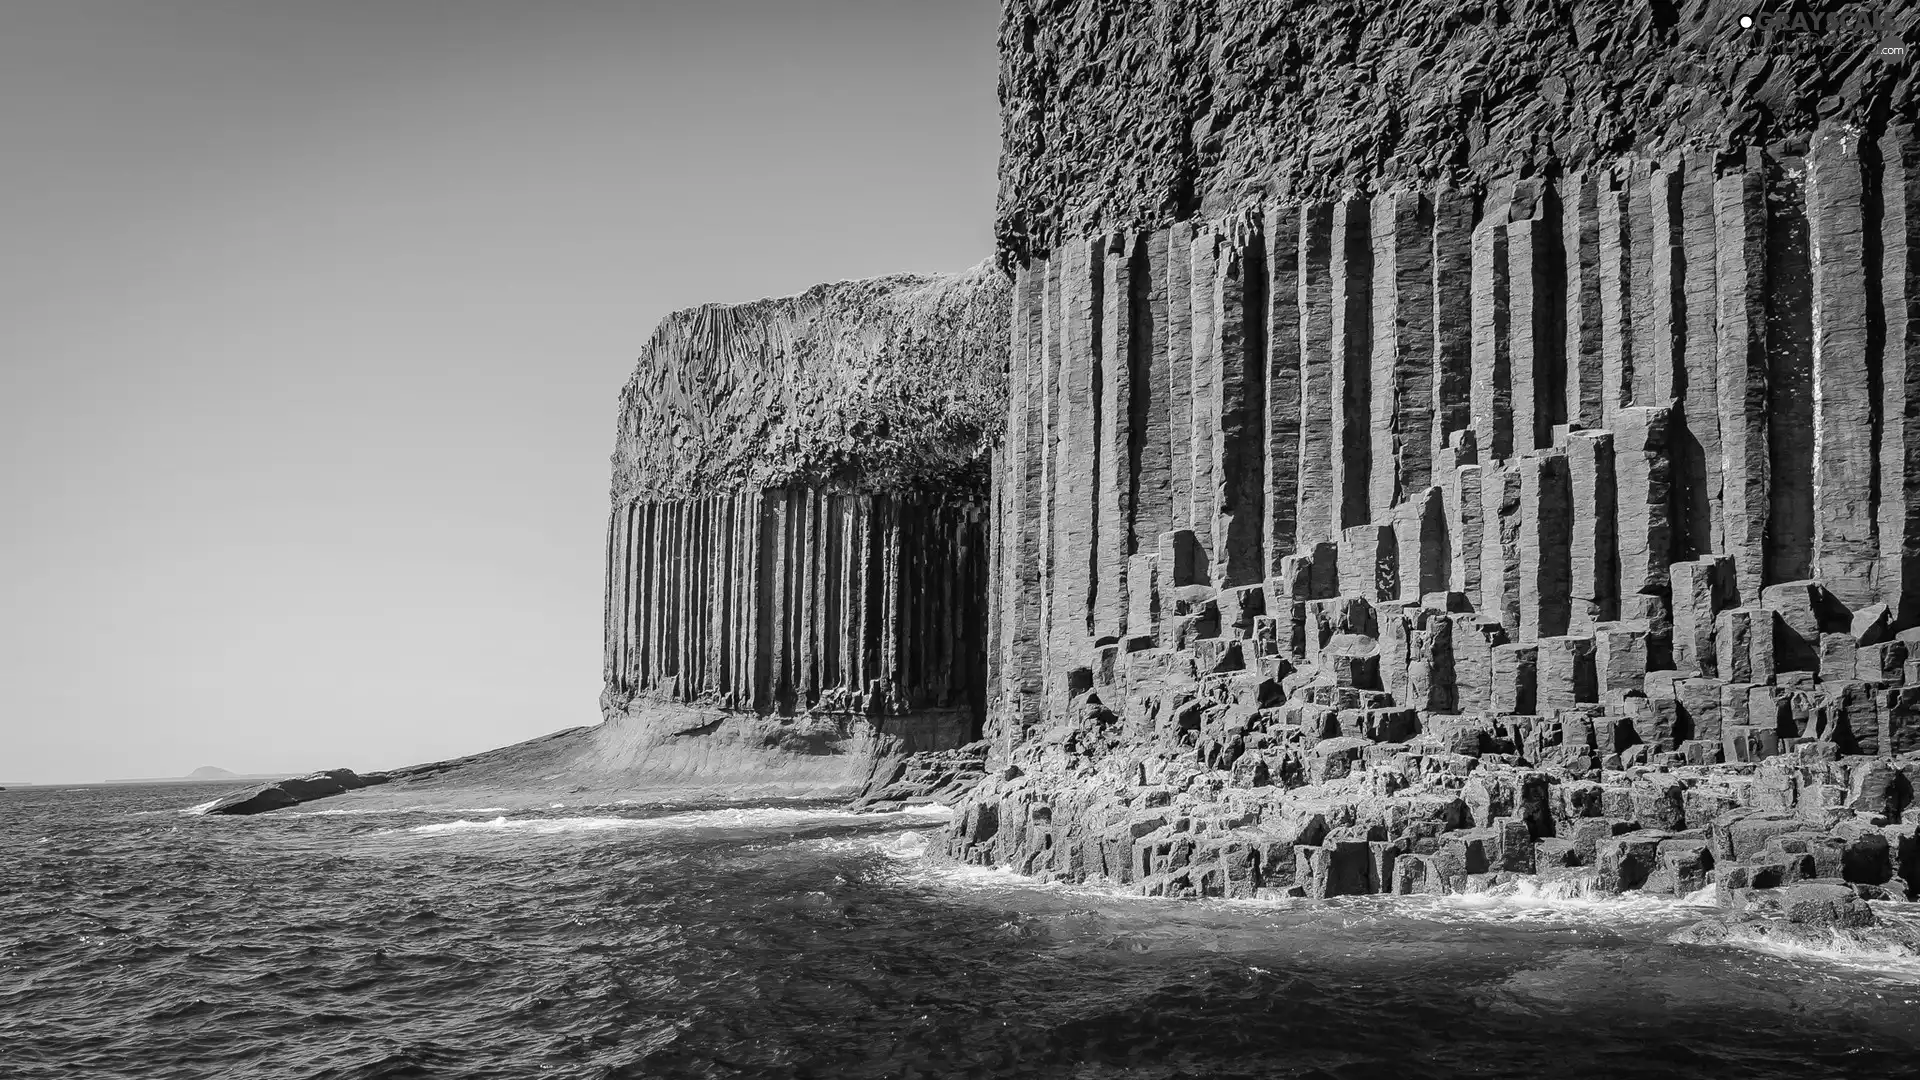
<point>888,384</point>
<point>1454,442</point>
<point>1124,115</point>
<point>797,549</point>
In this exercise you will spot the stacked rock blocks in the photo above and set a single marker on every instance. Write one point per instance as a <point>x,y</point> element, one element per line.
<point>1394,544</point>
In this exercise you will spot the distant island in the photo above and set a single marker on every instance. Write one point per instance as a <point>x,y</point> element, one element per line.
<point>201,775</point>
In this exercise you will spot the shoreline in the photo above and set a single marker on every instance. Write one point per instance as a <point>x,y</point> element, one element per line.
<point>653,752</point>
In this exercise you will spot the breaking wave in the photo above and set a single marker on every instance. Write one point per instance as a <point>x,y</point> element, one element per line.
<point>730,819</point>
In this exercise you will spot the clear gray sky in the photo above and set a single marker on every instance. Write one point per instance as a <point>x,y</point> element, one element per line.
<point>313,316</point>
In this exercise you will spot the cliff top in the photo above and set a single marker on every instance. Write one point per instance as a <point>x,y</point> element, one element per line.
<point>896,381</point>
<point>1121,114</point>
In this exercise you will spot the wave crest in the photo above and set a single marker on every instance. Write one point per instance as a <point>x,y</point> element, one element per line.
<point>733,818</point>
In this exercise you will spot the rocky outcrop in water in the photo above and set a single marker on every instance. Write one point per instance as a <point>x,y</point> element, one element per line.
<point>1825,917</point>
<point>293,791</point>
<point>1454,443</point>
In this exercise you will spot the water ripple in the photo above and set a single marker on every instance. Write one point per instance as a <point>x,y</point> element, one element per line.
<point>791,940</point>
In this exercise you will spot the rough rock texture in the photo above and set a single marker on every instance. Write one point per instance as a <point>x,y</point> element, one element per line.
<point>1448,443</point>
<point>888,384</point>
<point>1824,916</point>
<point>1119,114</point>
<point>659,752</point>
<point>797,553</point>
<point>944,776</point>
<point>293,791</point>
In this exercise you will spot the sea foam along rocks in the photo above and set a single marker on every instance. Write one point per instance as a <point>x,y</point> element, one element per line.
<point>1221,786</point>
<point>1831,917</point>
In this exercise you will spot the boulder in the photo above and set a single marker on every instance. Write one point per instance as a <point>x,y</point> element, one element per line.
<point>1826,905</point>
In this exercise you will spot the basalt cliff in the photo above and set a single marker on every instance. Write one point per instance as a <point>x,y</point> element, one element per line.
<point>1454,442</point>
<point>797,552</point>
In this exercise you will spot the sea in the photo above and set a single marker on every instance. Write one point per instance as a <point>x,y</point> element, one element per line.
<point>139,938</point>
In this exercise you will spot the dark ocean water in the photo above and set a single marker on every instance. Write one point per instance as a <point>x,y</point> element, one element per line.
<point>793,940</point>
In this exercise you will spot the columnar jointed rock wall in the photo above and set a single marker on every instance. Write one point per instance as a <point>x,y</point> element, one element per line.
<point>1593,421</point>
<point>799,600</point>
<point>798,540</point>
<point>1560,518</point>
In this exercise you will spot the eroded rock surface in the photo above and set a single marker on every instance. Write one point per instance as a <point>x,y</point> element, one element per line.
<point>887,384</point>
<point>1454,443</point>
<point>904,779</point>
<point>293,791</point>
<point>1124,115</point>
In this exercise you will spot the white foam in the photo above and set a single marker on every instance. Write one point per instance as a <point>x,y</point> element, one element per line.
<point>533,825</point>
<point>905,846</point>
<point>995,879</point>
<point>201,808</point>
<point>1575,896</point>
<point>737,818</point>
<point>1524,901</point>
<point>1885,960</point>
<point>350,811</point>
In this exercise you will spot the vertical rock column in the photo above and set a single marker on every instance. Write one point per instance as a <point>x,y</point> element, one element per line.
<point>1534,309</point>
<point>1318,521</point>
<point>772,652</point>
<point>1452,307</point>
<point>1740,371</point>
<point>1657,195</point>
<point>614,662</point>
<point>1151,402</point>
<point>1050,360</point>
<point>1352,339</point>
<point>1585,347</point>
<point>1642,447</point>
<point>1284,406</point>
<point>1462,472</point>
<point>1898,512</point>
<point>713,627</point>
<point>1621,289</point>
<point>1075,500</point>
<point>1593,555</point>
<point>751,693</point>
<point>1545,586</point>
<point>1175,268</point>
<point>1492,379</point>
<point>1203,254</point>
<point>1118,454</point>
<point>1400,380</point>
<point>1844,548</point>
<point>1019,471</point>
<point>1792,431</point>
<point>1697,453</point>
<point>1239,435</point>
